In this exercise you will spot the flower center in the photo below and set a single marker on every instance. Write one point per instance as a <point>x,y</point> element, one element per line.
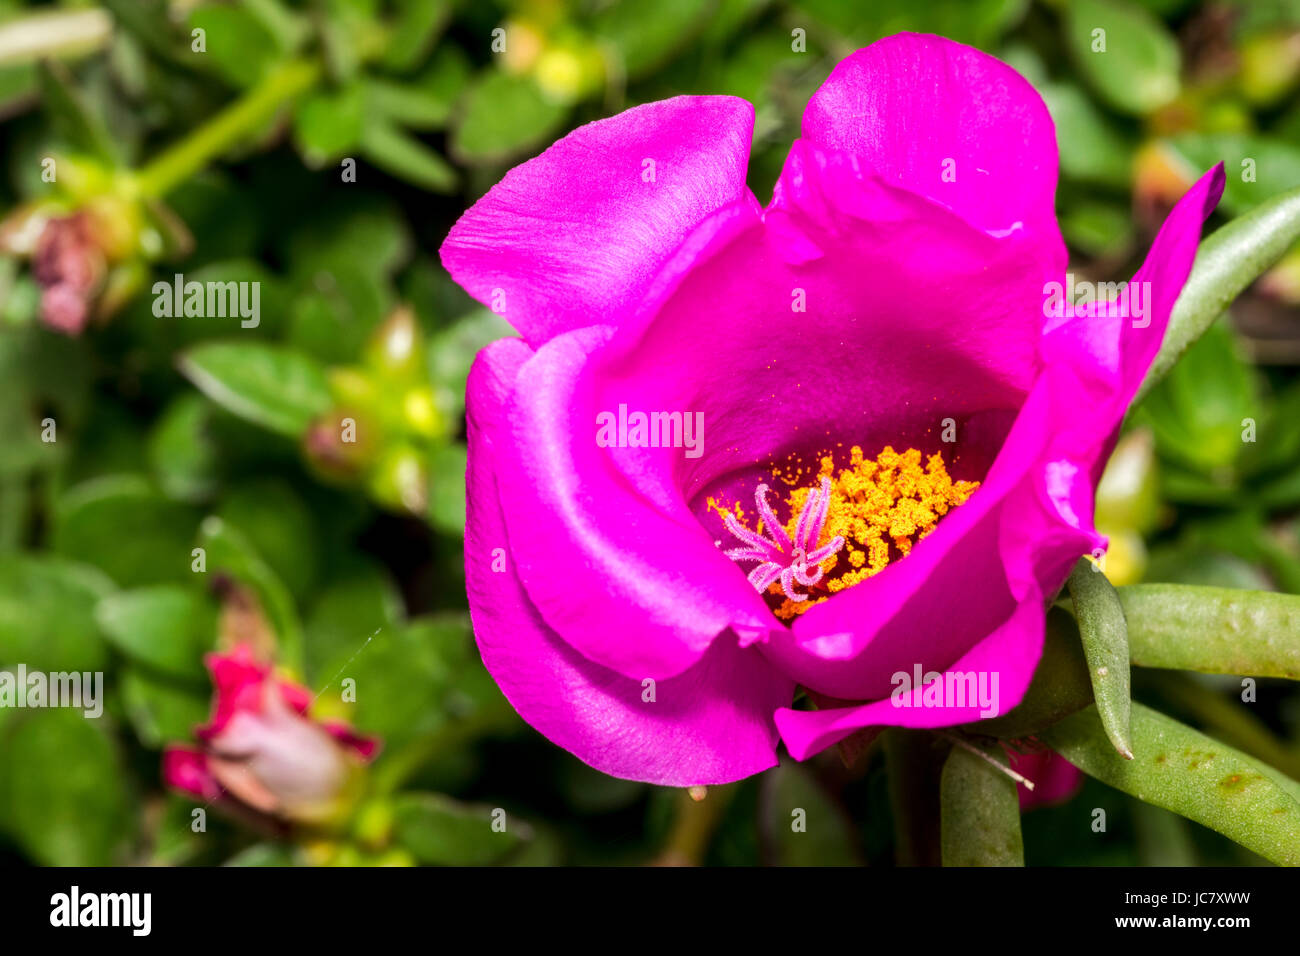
<point>842,530</point>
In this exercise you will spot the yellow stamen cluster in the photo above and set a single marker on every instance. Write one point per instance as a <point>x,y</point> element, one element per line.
<point>881,507</point>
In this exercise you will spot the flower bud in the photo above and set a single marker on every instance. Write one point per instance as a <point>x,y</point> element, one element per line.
<point>262,756</point>
<point>69,267</point>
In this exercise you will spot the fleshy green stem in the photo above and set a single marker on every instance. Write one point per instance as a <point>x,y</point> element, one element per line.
<point>231,126</point>
<point>695,821</point>
<point>915,762</point>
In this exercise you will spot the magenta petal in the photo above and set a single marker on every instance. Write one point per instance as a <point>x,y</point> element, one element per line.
<point>849,646</point>
<point>610,554</point>
<point>1167,266</point>
<point>948,122</point>
<point>237,679</point>
<point>186,769</point>
<point>577,236</point>
<point>1011,652</point>
<point>946,335</point>
<point>365,747</point>
<point>1111,353</point>
<point>1055,779</point>
<point>1097,361</point>
<point>711,724</point>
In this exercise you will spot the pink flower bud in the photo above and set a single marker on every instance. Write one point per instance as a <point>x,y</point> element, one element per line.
<point>262,753</point>
<point>69,266</point>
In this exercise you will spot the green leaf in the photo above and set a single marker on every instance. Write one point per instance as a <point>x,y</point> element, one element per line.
<point>980,814</point>
<point>1128,495</point>
<point>226,315</point>
<point>1061,684</point>
<point>1105,645</point>
<point>47,613</point>
<point>399,682</point>
<point>73,119</point>
<point>414,30</point>
<point>1257,166</point>
<point>976,22</point>
<point>148,22</point>
<point>327,125</point>
<point>646,35</point>
<point>453,349</point>
<point>184,457</point>
<point>347,611</point>
<point>272,516</point>
<point>447,465</point>
<point>405,157</point>
<point>125,527</point>
<point>412,680</point>
<point>167,628</point>
<point>15,508</point>
<point>230,552</point>
<point>64,795</point>
<point>729,16</point>
<point>159,710</point>
<point>439,831</point>
<point>1182,770</point>
<point>1137,70</point>
<point>1282,492</point>
<point>268,385</point>
<point>1198,412</point>
<point>1228,261</point>
<point>1179,563</point>
<point>366,234</point>
<point>426,101</point>
<point>225,214</point>
<point>1221,716</point>
<point>1213,630</point>
<point>173,842</point>
<point>1278,446</point>
<point>1162,837</point>
<point>501,116</point>
<point>1098,228</point>
<point>289,28</point>
<point>333,319</point>
<point>267,854</point>
<point>238,46</point>
<point>349,32</point>
<point>1092,150</point>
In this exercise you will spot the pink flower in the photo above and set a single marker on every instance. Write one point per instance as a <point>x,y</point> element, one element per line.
<point>887,308</point>
<point>69,267</point>
<point>261,755</point>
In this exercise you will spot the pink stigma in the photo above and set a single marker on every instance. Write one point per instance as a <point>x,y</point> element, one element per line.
<point>792,562</point>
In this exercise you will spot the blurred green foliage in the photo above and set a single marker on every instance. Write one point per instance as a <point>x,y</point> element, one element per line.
<point>322,149</point>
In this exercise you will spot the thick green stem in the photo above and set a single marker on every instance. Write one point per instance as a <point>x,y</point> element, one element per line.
<point>914,761</point>
<point>1104,633</point>
<point>1228,721</point>
<point>696,819</point>
<point>233,125</point>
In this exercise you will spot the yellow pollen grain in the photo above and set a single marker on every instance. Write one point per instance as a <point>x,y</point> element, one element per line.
<point>881,507</point>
